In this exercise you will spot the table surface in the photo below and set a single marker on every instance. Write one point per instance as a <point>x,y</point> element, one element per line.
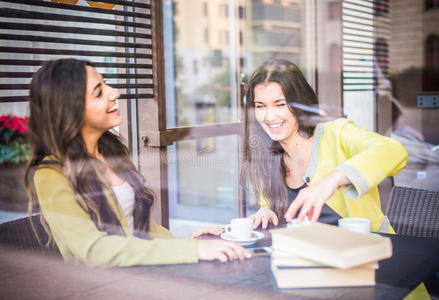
<point>413,260</point>
<point>28,276</point>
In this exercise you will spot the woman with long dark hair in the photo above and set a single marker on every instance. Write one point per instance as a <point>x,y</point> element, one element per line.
<point>322,171</point>
<point>94,204</point>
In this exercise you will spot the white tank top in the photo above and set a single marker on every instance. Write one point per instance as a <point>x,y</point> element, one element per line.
<point>125,195</point>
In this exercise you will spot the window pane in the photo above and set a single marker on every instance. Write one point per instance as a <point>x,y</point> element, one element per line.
<point>274,29</point>
<point>202,179</point>
<point>200,62</point>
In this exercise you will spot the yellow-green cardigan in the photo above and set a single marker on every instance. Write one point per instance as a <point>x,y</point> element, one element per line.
<point>79,240</point>
<point>365,157</point>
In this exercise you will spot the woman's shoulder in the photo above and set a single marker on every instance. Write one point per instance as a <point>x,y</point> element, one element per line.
<point>336,125</point>
<point>339,122</point>
<point>49,168</point>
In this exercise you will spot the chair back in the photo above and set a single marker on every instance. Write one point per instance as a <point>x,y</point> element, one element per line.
<point>19,235</point>
<point>414,212</point>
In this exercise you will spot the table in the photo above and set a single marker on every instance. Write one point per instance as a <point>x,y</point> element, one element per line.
<point>413,260</point>
<point>27,276</point>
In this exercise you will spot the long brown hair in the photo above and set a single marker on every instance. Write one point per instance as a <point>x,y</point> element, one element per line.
<point>57,106</point>
<point>264,167</point>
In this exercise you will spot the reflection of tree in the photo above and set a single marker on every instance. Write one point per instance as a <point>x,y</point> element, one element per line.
<point>218,89</point>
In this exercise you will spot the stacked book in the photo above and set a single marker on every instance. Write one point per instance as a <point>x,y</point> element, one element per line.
<point>320,255</point>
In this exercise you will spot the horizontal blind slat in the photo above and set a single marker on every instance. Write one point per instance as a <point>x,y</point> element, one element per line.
<point>114,85</point>
<point>72,52</point>
<point>21,62</point>
<point>33,38</point>
<point>16,13</point>
<point>76,30</point>
<point>78,7</point>
<point>117,2</point>
<point>124,96</point>
<point>105,75</point>
<point>44,30</point>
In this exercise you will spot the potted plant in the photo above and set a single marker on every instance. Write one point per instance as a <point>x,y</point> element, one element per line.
<point>14,153</point>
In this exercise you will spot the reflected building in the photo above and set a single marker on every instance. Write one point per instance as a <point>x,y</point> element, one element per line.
<point>414,62</point>
<point>275,29</point>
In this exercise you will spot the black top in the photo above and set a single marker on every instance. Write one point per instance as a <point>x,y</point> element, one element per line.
<point>328,215</point>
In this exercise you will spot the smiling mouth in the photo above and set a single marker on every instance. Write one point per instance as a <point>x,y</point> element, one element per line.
<point>113,108</point>
<point>275,125</point>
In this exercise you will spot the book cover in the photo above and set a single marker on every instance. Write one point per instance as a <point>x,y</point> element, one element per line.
<point>330,245</point>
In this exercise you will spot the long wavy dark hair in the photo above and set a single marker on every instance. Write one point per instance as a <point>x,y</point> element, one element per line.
<point>57,107</point>
<point>264,167</point>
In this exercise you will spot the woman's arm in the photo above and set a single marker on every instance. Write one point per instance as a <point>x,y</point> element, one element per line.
<point>78,238</point>
<point>370,158</point>
<point>312,198</point>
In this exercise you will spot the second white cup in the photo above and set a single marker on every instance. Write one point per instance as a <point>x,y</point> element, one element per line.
<point>362,225</point>
<point>240,228</point>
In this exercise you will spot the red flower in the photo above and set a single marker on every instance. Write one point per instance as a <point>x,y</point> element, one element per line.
<point>12,128</point>
<point>4,118</point>
<point>17,124</point>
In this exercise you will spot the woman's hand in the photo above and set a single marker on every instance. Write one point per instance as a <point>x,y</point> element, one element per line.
<point>264,215</point>
<point>221,250</point>
<point>311,199</point>
<point>214,230</point>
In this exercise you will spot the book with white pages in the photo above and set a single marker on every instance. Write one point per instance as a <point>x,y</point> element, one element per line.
<point>331,246</point>
<point>322,276</point>
<point>286,259</point>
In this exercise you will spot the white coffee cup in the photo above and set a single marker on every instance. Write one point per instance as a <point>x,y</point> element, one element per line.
<point>240,228</point>
<point>361,225</point>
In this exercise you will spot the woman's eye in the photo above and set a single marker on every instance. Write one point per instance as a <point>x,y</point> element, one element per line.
<point>281,104</point>
<point>99,94</point>
<point>259,106</point>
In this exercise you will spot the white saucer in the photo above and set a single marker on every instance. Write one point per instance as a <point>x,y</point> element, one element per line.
<point>256,236</point>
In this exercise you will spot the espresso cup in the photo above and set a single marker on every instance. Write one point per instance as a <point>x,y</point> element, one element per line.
<point>240,228</point>
<point>361,225</point>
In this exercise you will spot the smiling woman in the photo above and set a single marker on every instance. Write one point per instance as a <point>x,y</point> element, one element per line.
<point>101,110</point>
<point>272,112</point>
<point>326,172</point>
<point>94,203</point>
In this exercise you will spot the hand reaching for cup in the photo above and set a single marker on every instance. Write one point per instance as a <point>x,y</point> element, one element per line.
<point>221,250</point>
<point>214,230</point>
<point>264,216</point>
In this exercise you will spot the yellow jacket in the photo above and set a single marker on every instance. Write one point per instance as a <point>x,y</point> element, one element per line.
<point>79,240</point>
<point>365,157</point>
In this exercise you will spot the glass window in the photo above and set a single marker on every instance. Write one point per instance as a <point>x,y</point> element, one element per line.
<point>206,41</point>
<point>203,178</point>
<point>204,62</point>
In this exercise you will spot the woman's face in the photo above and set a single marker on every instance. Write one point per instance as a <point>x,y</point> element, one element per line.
<point>101,110</point>
<point>272,112</point>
